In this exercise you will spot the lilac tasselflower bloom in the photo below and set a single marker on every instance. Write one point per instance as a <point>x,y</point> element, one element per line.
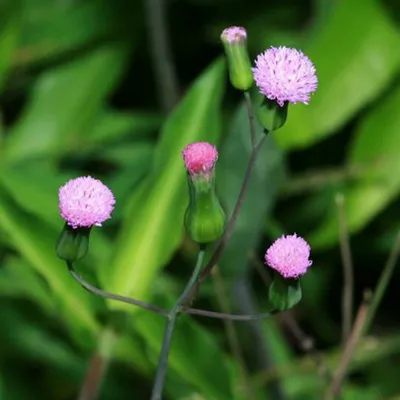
<point>85,202</point>
<point>284,75</point>
<point>289,256</point>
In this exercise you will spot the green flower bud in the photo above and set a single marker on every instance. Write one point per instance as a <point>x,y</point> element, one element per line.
<point>73,244</point>
<point>271,115</point>
<point>204,217</point>
<point>239,65</point>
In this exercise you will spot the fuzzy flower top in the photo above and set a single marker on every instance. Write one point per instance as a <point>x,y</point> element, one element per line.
<point>200,158</point>
<point>285,74</point>
<point>85,202</point>
<point>289,256</point>
<point>234,34</point>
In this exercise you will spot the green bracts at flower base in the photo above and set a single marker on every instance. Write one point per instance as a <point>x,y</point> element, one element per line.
<point>73,244</point>
<point>271,115</point>
<point>283,293</point>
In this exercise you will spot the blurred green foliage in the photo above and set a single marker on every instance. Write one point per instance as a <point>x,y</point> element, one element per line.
<point>78,96</point>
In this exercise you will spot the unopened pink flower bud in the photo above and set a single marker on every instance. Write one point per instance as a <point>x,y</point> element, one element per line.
<point>204,217</point>
<point>200,158</point>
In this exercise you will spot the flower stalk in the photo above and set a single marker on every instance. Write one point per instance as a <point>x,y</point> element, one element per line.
<point>166,344</point>
<point>230,225</point>
<point>159,310</point>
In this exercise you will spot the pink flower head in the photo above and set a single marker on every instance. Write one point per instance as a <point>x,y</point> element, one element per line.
<point>200,158</point>
<point>289,256</point>
<point>84,202</point>
<point>234,34</point>
<point>285,74</point>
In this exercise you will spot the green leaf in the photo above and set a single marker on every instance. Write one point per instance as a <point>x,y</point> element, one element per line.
<point>153,229</point>
<point>131,155</point>
<point>18,279</point>
<point>35,188</point>
<point>280,354</point>
<point>377,145</point>
<point>10,25</point>
<point>360,393</point>
<point>35,241</point>
<point>135,162</point>
<point>111,126</point>
<point>52,28</point>
<point>261,193</point>
<point>356,57</point>
<point>369,351</point>
<point>131,349</point>
<point>194,353</point>
<point>57,116</point>
<point>35,343</point>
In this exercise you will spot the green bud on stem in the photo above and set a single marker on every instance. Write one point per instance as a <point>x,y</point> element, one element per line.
<point>271,115</point>
<point>73,244</point>
<point>239,65</point>
<point>204,217</point>
<point>284,293</point>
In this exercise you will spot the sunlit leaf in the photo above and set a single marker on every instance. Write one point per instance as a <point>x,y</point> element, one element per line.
<point>154,228</point>
<point>377,145</point>
<point>356,58</point>
<point>35,188</point>
<point>52,28</point>
<point>56,116</point>
<point>35,241</point>
<point>10,26</point>
<point>111,126</point>
<point>18,279</point>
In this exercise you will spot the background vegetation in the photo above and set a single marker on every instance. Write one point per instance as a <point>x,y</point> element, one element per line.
<point>80,94</point>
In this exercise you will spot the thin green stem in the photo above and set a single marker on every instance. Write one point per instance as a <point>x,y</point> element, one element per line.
<point>250,113</point>
<point>166,344</point>
<point>159,310</point>
<point>233,317</point>
<point>108,295</point>
<point>348,274</point>
<point>383,283</point>
<point>231,223</point>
